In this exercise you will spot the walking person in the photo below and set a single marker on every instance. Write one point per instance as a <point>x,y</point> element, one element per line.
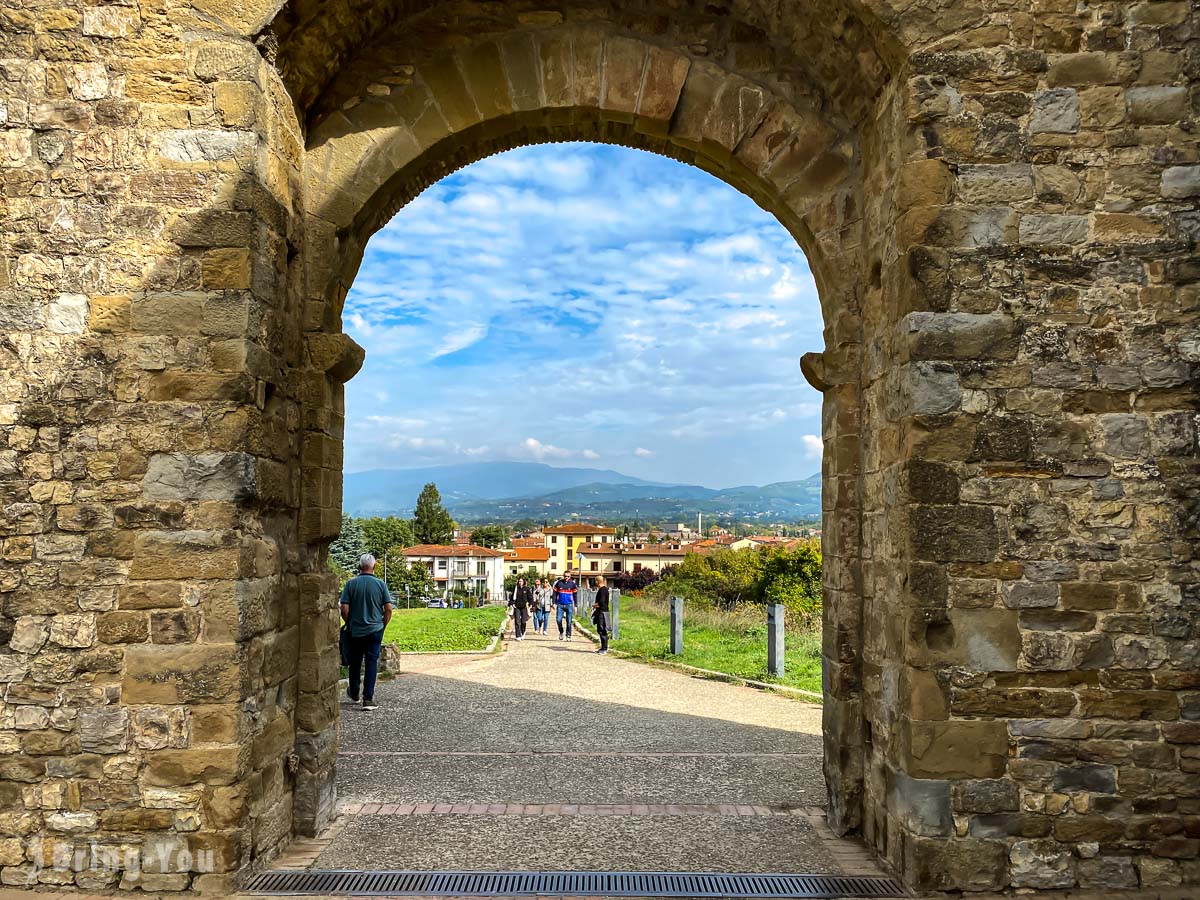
<point>541,606</point>
<point>600,614</point>
<point>366,608</point>
<point>565,590</point>
<point>522,599</point>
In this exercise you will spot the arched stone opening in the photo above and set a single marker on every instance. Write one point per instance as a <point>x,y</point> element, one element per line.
<point>782,144</point>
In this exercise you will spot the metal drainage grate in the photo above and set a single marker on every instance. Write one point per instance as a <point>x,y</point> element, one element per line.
<point>608,884</point>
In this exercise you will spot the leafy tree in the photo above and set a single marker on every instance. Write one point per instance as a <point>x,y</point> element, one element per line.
<point>639,580</point>
<point>384,534</point>
<point>349,545</point>
<point>530,575</point>
<point>792,576</point>
<point>490,536</point>
<point>431,523</point>
<point>408,580</point>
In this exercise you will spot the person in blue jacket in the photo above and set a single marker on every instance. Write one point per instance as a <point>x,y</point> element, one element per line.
<point>565,591</point>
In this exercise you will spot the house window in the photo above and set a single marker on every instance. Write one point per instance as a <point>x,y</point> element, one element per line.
<point>637,567</point>
<point>570,553</point>
<point>616,566</point>
<point>460,567</point>
<point>595,566</point>
<point>441,565</point>
<point>481,568</point>
<point>553,554</point>
<point>554,538</point>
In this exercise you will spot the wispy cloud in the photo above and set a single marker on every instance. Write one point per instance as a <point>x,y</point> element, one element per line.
<point>597,297</point>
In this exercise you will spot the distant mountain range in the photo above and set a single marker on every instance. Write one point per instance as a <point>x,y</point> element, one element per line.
<point>507,491</point>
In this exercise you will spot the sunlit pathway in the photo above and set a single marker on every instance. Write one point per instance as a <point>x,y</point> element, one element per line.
<point>548,756</point>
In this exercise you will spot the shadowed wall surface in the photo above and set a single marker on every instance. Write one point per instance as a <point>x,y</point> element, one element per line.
<point>998,202</point>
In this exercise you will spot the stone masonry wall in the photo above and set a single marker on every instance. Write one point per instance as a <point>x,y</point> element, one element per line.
<point>150,594</point>
<point>1030,652</point>
<point>999,201</point>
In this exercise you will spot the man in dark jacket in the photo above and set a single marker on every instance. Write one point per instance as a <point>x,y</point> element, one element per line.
<point>601,615</point>
<point>521,601</point>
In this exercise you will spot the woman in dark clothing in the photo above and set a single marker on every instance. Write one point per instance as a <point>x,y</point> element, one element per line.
<point>600,614</point>
<point>521,601</point>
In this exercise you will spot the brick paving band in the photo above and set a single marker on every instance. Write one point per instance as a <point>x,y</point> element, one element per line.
<point>583,754</point>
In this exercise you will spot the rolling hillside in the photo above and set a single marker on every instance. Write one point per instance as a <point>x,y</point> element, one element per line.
<point>502,491</point>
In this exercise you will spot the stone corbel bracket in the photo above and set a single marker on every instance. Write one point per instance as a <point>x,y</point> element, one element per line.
<point>812,367</point>
<point>337,355</point>
<point>830,368</point>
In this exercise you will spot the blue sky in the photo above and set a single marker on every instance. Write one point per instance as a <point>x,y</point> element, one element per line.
<point>585,305</point>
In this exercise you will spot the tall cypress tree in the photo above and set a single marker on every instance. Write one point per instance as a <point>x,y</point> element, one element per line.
<point>431,523</point>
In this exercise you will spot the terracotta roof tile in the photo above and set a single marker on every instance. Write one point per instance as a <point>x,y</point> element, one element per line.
<point>533,554</point>
<point>450,550</point>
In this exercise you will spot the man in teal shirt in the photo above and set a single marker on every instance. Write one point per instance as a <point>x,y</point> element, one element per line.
<point>366,609</point>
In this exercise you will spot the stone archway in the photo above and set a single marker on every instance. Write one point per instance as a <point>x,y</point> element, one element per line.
<point>559,79</point>
<point>999,204</point>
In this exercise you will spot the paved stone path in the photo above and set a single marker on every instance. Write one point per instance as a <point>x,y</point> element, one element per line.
<point>548,756</point>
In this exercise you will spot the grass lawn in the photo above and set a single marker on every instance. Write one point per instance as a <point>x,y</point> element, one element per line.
<point>442,630</point>
<point>736,645</point>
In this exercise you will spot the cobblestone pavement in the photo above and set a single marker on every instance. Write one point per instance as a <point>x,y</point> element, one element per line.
<point>549,756</point>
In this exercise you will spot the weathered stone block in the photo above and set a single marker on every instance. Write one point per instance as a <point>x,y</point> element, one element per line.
<point>226,61</point>
<point>624,60</point>
<point>181,674</point>
<point>963,533</point>
<point>1055,111</point>
<point>217,766</point>
<point>104,730</point>
<point>1157,105</point>
<point>176,626</point>
<point>174,313</point>
<point>29,634</point>
<point>955,749</point>
<point>1053,229</point>
<point>226,268</point>
<point>75,631</point>
<point>930,389</point>
<point>167,555</point>
<point>157,728</point>
<point>1097,779</point>
<point>985,796</point>
<point>662,83</point>
<point>960,335</point>
<point>1180,182</point>
<point>1041,864</point>
<point>119,627</point>
<point>1107,872</point>
<point>921,805</point>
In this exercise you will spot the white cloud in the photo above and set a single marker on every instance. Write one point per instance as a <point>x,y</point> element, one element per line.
<point>609,298</point>
<point>813,446</point>
<point>460,338</point>
<point>643,452</point>
<point>535,449</point>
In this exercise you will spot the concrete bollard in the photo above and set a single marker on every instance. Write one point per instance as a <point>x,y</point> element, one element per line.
<point>614,612</point>
<point>677,626</point>
<point>775,639</point>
